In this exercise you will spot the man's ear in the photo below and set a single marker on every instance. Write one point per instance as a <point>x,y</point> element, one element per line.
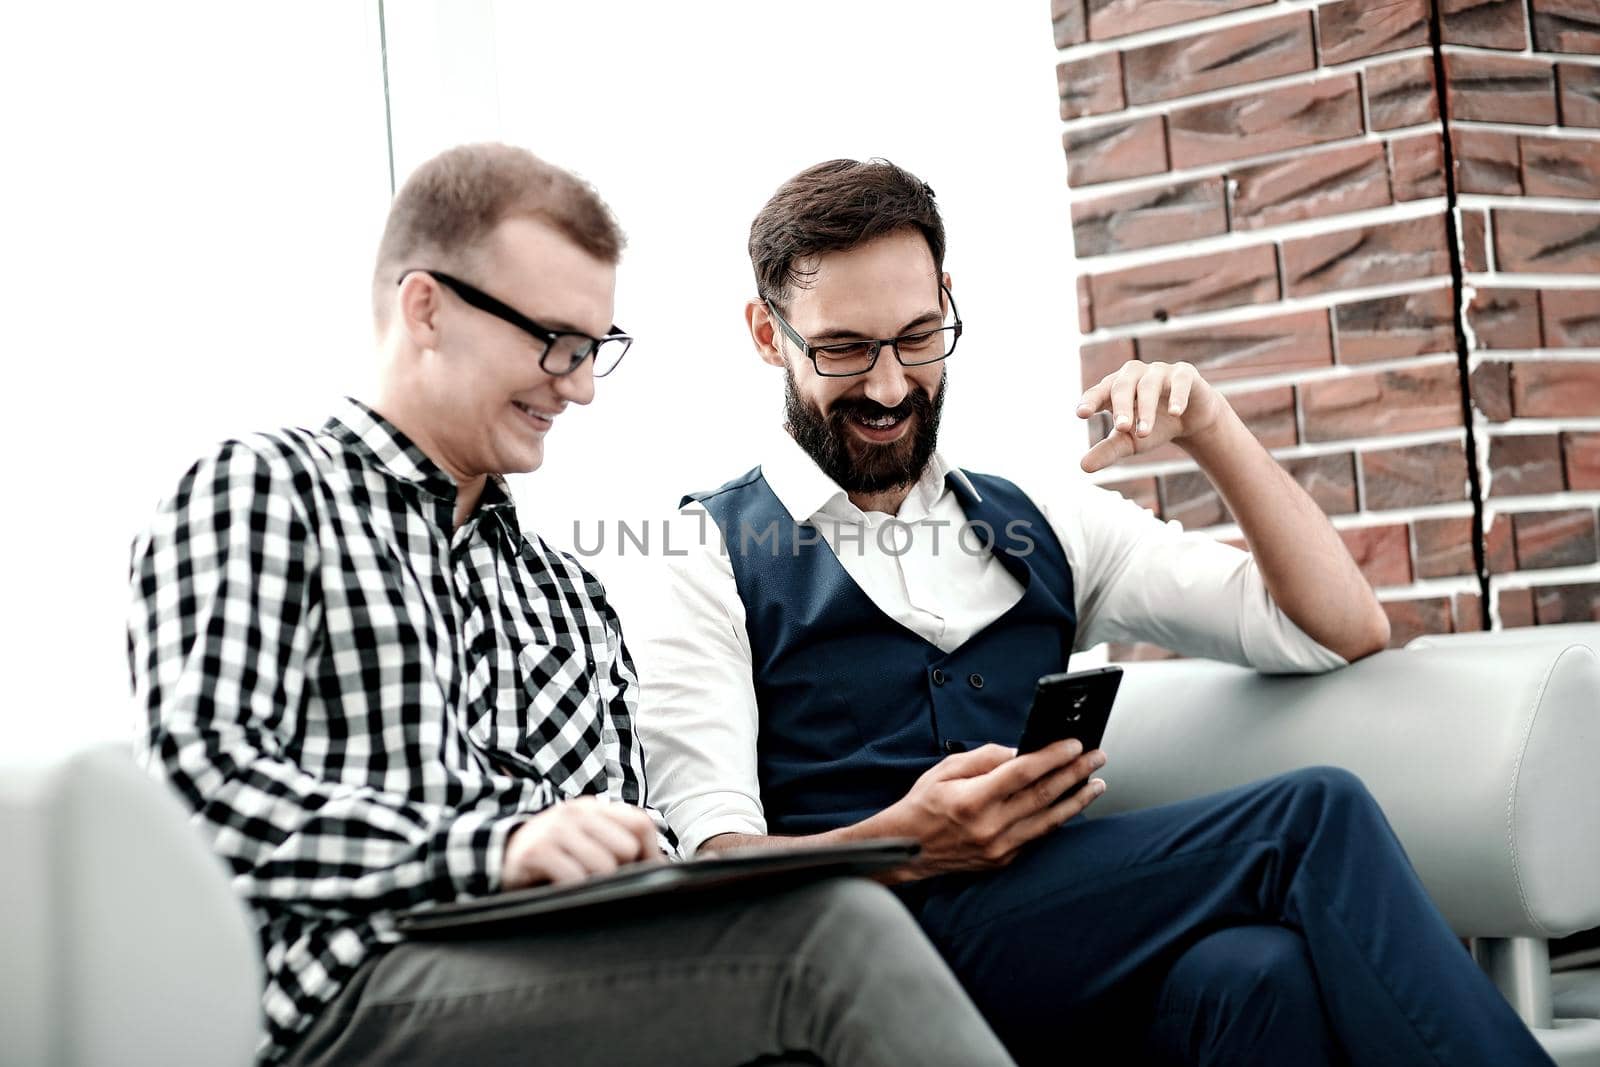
<point>764,332</point>
<point>945,278</point>
<point>417,306</point>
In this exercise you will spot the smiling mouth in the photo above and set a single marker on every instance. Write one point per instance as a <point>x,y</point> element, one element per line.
<point>539,419</point>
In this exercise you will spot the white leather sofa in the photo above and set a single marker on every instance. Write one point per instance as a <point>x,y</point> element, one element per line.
<point>123,943</point>
<point>1483,750</point>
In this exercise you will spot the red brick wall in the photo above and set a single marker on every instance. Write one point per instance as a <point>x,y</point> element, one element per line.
<point>1261,188</point>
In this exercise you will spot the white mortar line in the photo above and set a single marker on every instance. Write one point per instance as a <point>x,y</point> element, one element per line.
<point>1530,280</point>
<point>1323,226</point>
<point>1527,129</point>
<point>1544,426</point>
<point>1534,579</point>
<point>1215,170</point>
<point>1527,52</point>
<point>1250,312</point>
<point>1537,355</point>
<point>1575,205</point>
<point>1180,30</point>
<point>1128,469</point>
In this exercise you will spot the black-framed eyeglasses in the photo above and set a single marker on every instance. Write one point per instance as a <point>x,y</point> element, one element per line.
<point>564,350</point>
<point>844,359</point>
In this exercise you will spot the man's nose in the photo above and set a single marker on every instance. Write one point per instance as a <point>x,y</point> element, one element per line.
<point>578,387</point>
<point>887,383</point>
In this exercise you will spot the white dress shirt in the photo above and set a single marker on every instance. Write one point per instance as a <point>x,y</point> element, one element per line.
<point>1135,578</point>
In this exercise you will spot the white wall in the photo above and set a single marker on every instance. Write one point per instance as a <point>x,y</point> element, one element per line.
<point>194,191</point>
<point>686,119</point>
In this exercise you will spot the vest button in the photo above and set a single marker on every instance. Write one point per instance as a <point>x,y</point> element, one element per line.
<point>976,680</point>
<point>953,747</point>
<point>938,676</point>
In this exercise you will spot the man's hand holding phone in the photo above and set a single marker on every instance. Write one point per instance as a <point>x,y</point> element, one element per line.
<point>975,810</point>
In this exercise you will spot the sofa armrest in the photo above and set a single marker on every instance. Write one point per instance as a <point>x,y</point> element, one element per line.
<point>130,945</point>
<point>1486,760</point>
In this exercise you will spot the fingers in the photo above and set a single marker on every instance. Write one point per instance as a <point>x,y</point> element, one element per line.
<point>1123,384</point>
<point>1048,790</point>
<point>639,827</point>
<point>1042,822</point>
<point>1148,395</point>
<point>1095,398</point>
<point>1113,449</point>
<point>972,764</point>
<point>1025,770</point>
<point>1183,379</point>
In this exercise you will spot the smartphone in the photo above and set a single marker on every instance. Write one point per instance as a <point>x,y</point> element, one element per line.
<point>1071,705</point>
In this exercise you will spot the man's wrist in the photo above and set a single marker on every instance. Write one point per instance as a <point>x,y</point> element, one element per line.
<point>1220,441</point>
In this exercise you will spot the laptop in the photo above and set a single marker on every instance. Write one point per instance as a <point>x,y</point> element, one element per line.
<point>656,884</point>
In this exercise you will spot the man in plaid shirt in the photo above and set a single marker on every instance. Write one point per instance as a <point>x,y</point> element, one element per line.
<point>376,691</point>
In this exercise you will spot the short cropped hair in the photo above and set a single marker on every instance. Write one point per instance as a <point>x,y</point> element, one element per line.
<point>449,206</point>
<point>833,207</point>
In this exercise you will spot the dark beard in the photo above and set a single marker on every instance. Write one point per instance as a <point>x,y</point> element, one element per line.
<point>860,466</point>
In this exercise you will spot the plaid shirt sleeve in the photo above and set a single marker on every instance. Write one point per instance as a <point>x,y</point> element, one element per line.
<point>619,693</point>
<point>224,615</point>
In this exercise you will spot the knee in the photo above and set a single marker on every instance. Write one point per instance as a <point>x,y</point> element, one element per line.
<point>1331,786</point>
<point>1248,964</point>
<point>857,909</point>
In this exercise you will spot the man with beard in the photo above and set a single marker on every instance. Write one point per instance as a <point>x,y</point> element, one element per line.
<point>850,659</point>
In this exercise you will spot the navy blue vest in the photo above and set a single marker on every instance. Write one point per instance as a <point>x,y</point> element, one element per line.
<point>854,706</point>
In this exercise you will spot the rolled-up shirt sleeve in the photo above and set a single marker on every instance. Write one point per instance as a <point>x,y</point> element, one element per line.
<point>1137,578</point>
<point>698,718</point>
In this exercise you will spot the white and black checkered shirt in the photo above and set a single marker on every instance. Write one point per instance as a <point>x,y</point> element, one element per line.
<point>358,701</point>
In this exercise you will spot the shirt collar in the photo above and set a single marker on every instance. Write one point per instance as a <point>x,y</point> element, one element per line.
<point>805,491</point>
<point>381,444</point>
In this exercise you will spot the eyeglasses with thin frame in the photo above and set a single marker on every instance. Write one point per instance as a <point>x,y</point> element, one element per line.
<point>845,359</point>
<point>564,351</point>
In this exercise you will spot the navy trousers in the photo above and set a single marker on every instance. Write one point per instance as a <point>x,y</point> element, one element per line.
<point>1277,923</point>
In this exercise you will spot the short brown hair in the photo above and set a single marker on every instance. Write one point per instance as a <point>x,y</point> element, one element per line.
<point>832,207</point>
<point>451,203</point>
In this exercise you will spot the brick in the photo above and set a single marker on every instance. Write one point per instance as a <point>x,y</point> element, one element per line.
<point>1066,18</point>
<point>1370,255</point>
<point>1474,241</point>
<point>1411,619</point>
<point>1417,167</point>
<point>1580,94</point>
<point>1444,547</point>
<point>1270,345</point>
<point>1516,608</point>
<point>1091,86</point>
<point>1167,213</point>
<point>1085,306</point>
<point>1382,403</point>
<point>1553,604</point>
<point>1179,286</point>
<point>1504,318</point>
<point>1401,93</point>
<point>1327,182</point>
<point>1499,551</point>
<point>1101,358</point>
<point>1330,481</point>
<point>1485,23</point>
<point>1191,499</point>
<point>1261,122</point>
<point>1393,327</point>
<point>1564,538</point>
<point>1355,29</point>
<point>1552,167</point>
<point>1581,456</point>
<point>1571,318</point>
<point>1414,476</point>
<point>1525,465</point>
<point>1554,389</point>
<point>1566,26</point>
<point>1491,390</point>
<point>1233,56</point>
<point>1115,150</point>
<point>1487,161</point>
<point>1382,552</point>
<point>1269,414</point>
<point>1500,88</point>
<point>1117,18</point>
<point>1546,241</point>
<point>1467,612</point>
<point>1141,491</point>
